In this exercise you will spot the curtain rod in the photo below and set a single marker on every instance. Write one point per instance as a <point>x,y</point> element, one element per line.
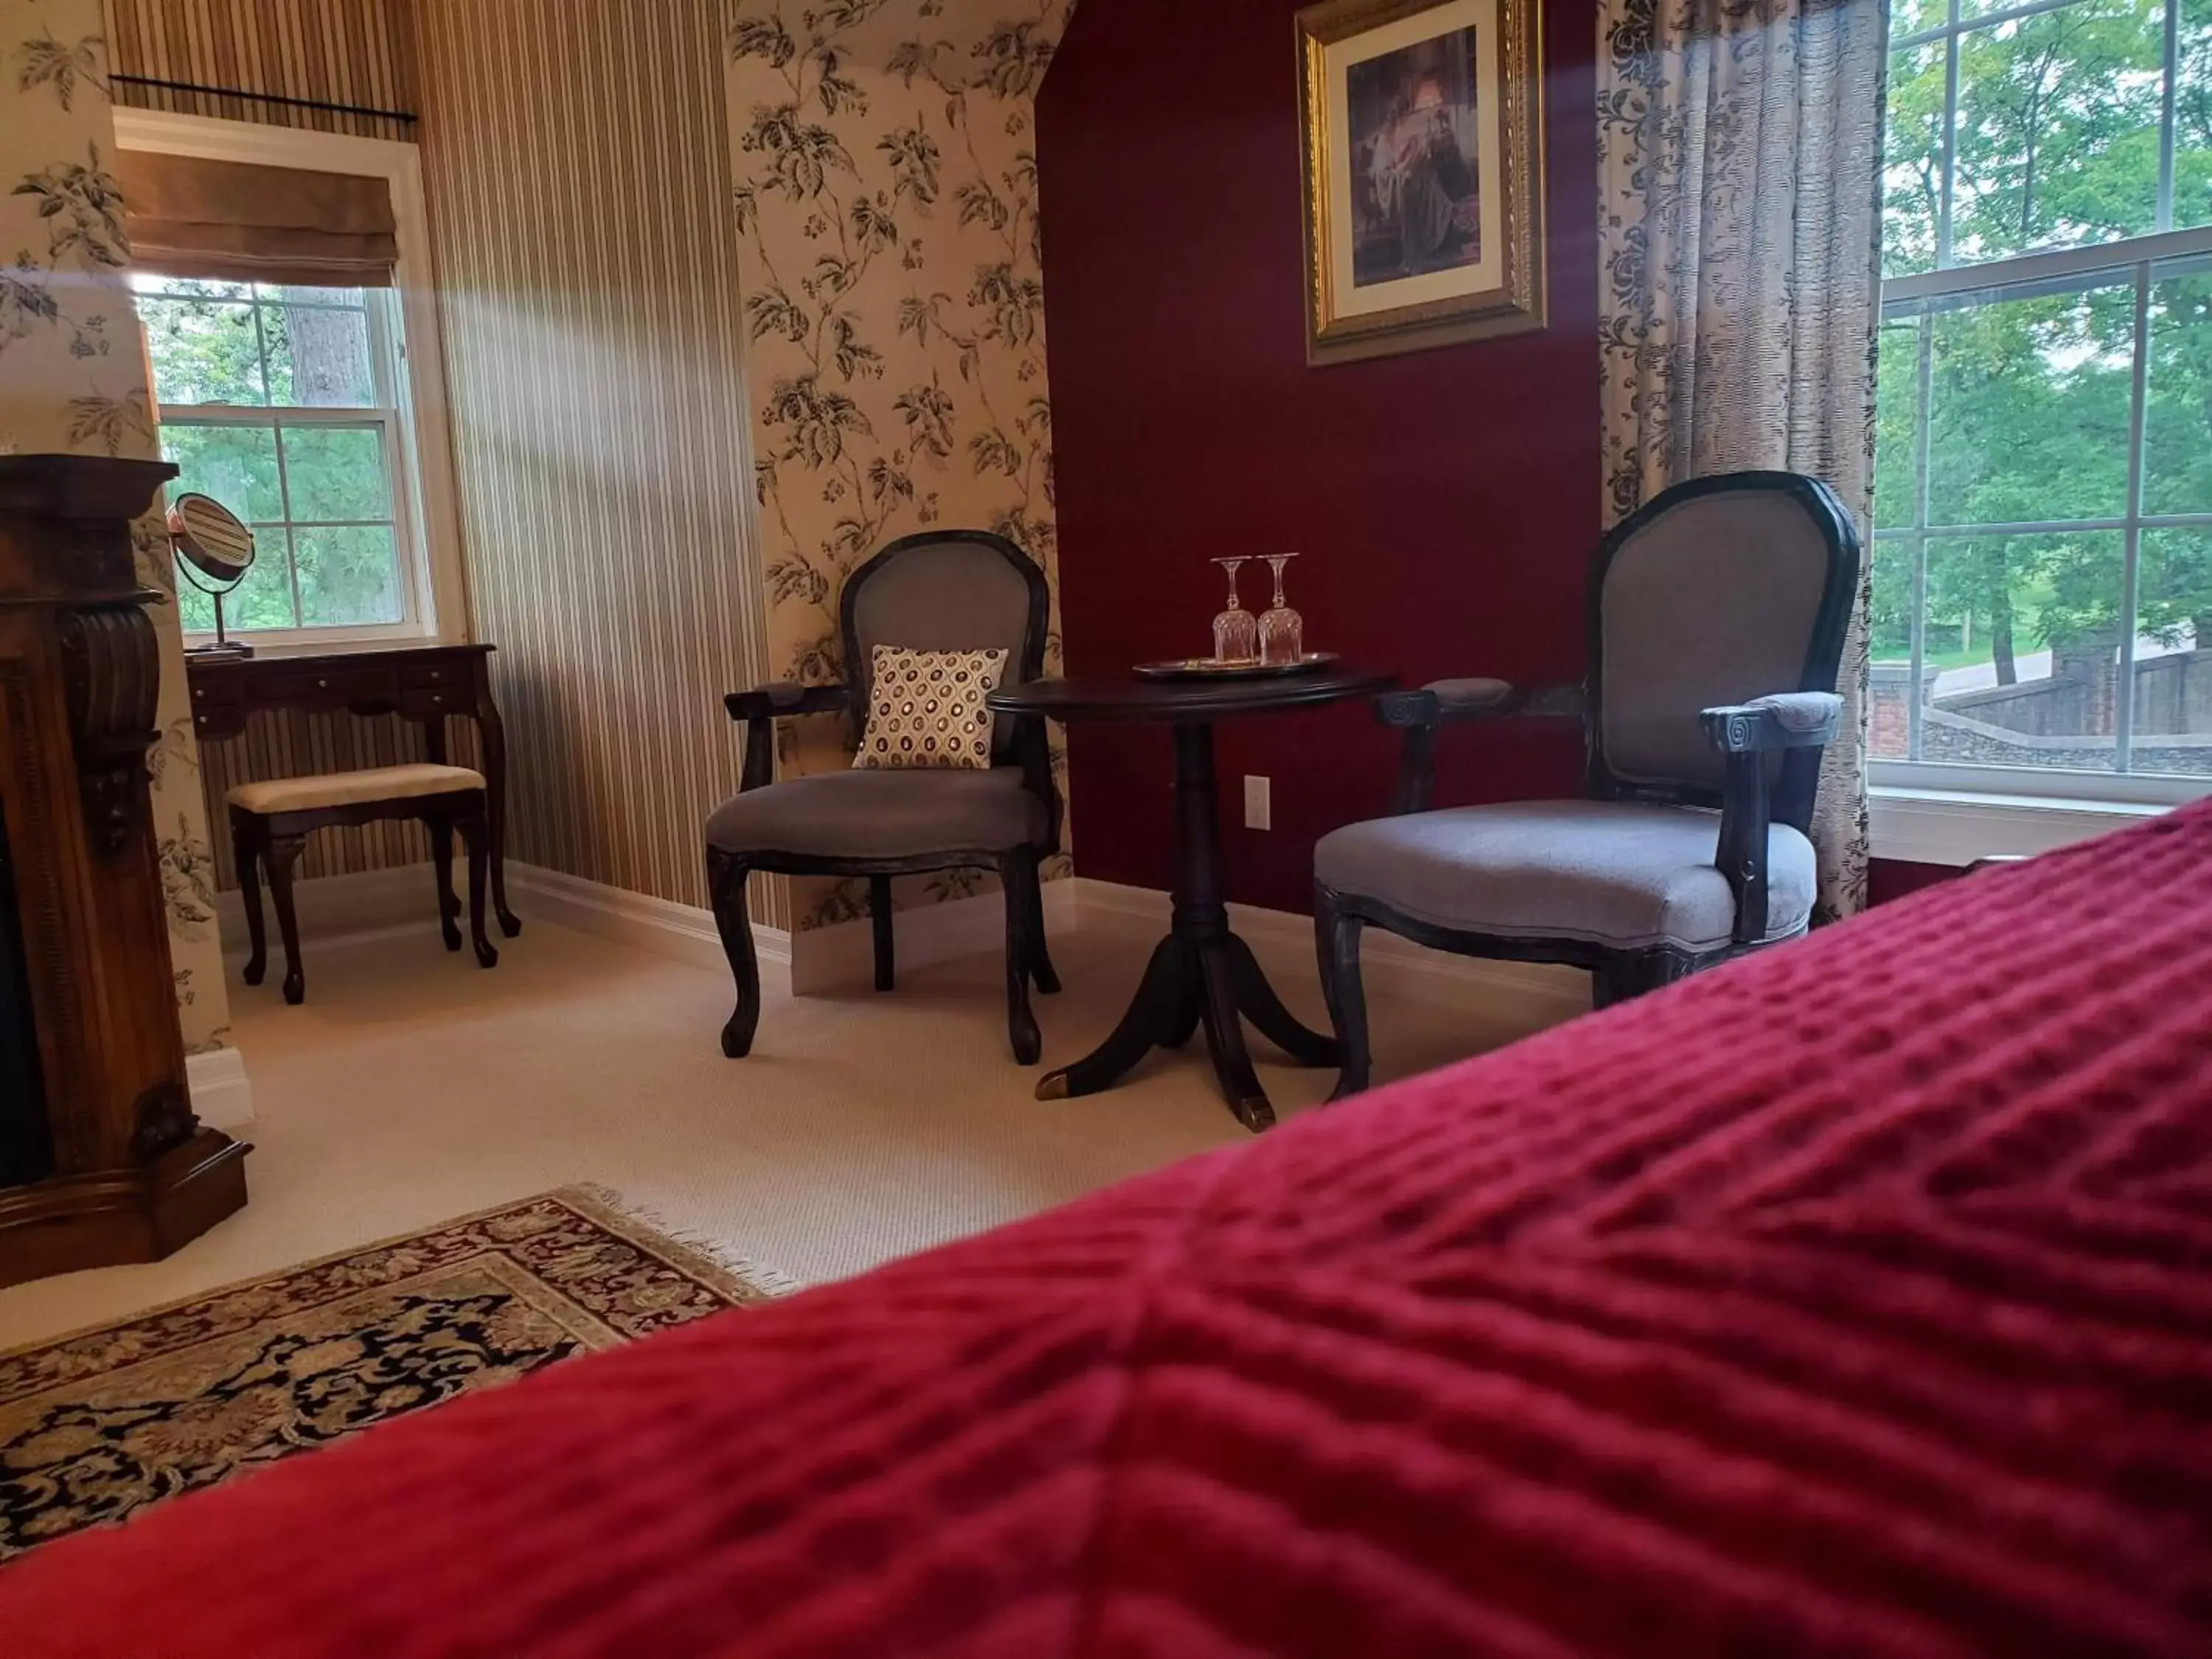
<point>263,97</point>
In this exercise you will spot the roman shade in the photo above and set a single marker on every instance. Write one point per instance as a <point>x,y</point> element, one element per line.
<point>189,217</point>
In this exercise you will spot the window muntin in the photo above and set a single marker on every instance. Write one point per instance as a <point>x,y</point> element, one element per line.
<point>2043,511</point>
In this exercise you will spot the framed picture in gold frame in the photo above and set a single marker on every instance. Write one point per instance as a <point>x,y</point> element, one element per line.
<point>1423,124</point>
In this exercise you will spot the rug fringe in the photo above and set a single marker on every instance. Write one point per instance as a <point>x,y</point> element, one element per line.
<point>773,1281</point>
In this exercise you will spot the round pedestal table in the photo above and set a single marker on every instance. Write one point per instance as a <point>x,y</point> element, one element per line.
<point>1201,974</point>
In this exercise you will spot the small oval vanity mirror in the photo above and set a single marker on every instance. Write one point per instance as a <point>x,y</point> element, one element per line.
<point>217,550</point>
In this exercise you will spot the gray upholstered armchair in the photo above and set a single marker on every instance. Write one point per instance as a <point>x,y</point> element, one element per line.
<point>956,590</point>
<point>1718,615</point>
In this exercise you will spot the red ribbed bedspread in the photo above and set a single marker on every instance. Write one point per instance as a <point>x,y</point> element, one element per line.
<point>1857,1299</point>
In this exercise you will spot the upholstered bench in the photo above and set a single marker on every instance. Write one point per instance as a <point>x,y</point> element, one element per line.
<point>270,821</point>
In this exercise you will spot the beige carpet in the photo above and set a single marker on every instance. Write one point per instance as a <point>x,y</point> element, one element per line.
<point>414,1087</point>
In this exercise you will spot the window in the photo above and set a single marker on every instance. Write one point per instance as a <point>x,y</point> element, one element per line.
<point>316,413</point>
<point>282,402</point>
<point>2043,502</point>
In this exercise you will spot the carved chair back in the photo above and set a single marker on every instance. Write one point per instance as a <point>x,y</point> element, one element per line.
<point>1716,591</point>
<point>957,590</point>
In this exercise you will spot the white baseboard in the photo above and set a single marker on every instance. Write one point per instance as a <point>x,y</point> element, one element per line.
<point>684,932</point>
<point>340,909</point>
<point>841,956</point>
<point>385,903</point>
<point>823,959</point>
<point>222,1096</point>
<point>1528,996</point>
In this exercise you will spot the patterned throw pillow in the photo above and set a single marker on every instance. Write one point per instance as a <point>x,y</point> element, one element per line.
<point>926,709</point>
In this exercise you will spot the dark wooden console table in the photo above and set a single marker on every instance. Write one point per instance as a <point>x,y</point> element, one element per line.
<point>421,682</point>
<point>1201,973</point>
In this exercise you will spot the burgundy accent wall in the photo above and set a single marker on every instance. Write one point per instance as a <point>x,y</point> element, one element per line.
<point>1446,503</point>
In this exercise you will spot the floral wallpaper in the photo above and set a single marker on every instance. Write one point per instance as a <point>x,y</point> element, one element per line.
<point>886,200</point>
<point>73,379</point>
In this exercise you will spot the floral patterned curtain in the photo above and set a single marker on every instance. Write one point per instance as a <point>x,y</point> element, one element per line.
<point>1739,156</point>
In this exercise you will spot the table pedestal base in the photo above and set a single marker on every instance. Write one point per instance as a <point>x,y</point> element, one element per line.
<point>1201,974</point>
<point>1214,983</point>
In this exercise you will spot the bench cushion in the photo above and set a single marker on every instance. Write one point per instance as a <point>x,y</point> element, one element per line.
<point>352,789</point>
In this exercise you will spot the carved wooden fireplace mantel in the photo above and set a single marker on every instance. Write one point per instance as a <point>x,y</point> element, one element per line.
<point>102,1160</point>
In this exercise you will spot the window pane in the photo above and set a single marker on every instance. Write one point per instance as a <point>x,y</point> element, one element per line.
<point>2192,118</point>
<point>2178,419</point>
<point>282,293</point>
<point>336,472</point>
<point>318,354</point>
<point>1912,178</point>
<point>2028,409</point>
<point>2173,672</point>
<point>189,288</point>
<point>263,599</point>
<point>236,464</point>
<point>1889,639</point>
<point>1912,16</point>
<point>1897,419</point>
<point>2058,129</point>
<point>2176,606</point>
<point>348,576</point>
<point>195,610</point>
<point>2024,632</point>
<point>204,350</point>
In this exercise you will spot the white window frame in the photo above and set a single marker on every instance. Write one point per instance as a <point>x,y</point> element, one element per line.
<point>435,599</point>
<point>1946,814</point>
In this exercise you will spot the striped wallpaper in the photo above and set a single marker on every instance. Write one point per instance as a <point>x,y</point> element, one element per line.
<point>339,52</point>
<point>576,158</point>
<point>347,51</point>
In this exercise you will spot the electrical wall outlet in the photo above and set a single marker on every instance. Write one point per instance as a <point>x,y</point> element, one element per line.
<point>1258,811</point>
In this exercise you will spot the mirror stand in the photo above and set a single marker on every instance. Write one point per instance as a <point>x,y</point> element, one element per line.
<point>224,649</point>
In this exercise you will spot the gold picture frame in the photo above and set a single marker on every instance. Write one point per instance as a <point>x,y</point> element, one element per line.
<point>1424,138</point>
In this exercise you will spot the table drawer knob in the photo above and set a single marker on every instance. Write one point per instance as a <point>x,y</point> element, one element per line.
<point>322,685</point>
<point>437,699</point>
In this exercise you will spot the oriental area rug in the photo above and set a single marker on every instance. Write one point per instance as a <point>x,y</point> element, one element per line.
<point>96,1426</point>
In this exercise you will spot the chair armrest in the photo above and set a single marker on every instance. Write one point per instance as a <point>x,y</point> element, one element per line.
<point>1421,714</point>
<point>1789,720</point>
<point>1555,702</point>
<point>787,697</point>
<point>761,708</point>
<point>1446,702</point>
<point>1747,733</point>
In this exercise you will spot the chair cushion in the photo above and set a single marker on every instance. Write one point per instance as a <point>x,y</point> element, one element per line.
<point>883,815</point>
<point>1617,873</point>
<point>352,789</point>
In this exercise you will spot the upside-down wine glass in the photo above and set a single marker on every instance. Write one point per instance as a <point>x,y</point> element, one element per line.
<point>1282,630</point>
<point>1236,632</point>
